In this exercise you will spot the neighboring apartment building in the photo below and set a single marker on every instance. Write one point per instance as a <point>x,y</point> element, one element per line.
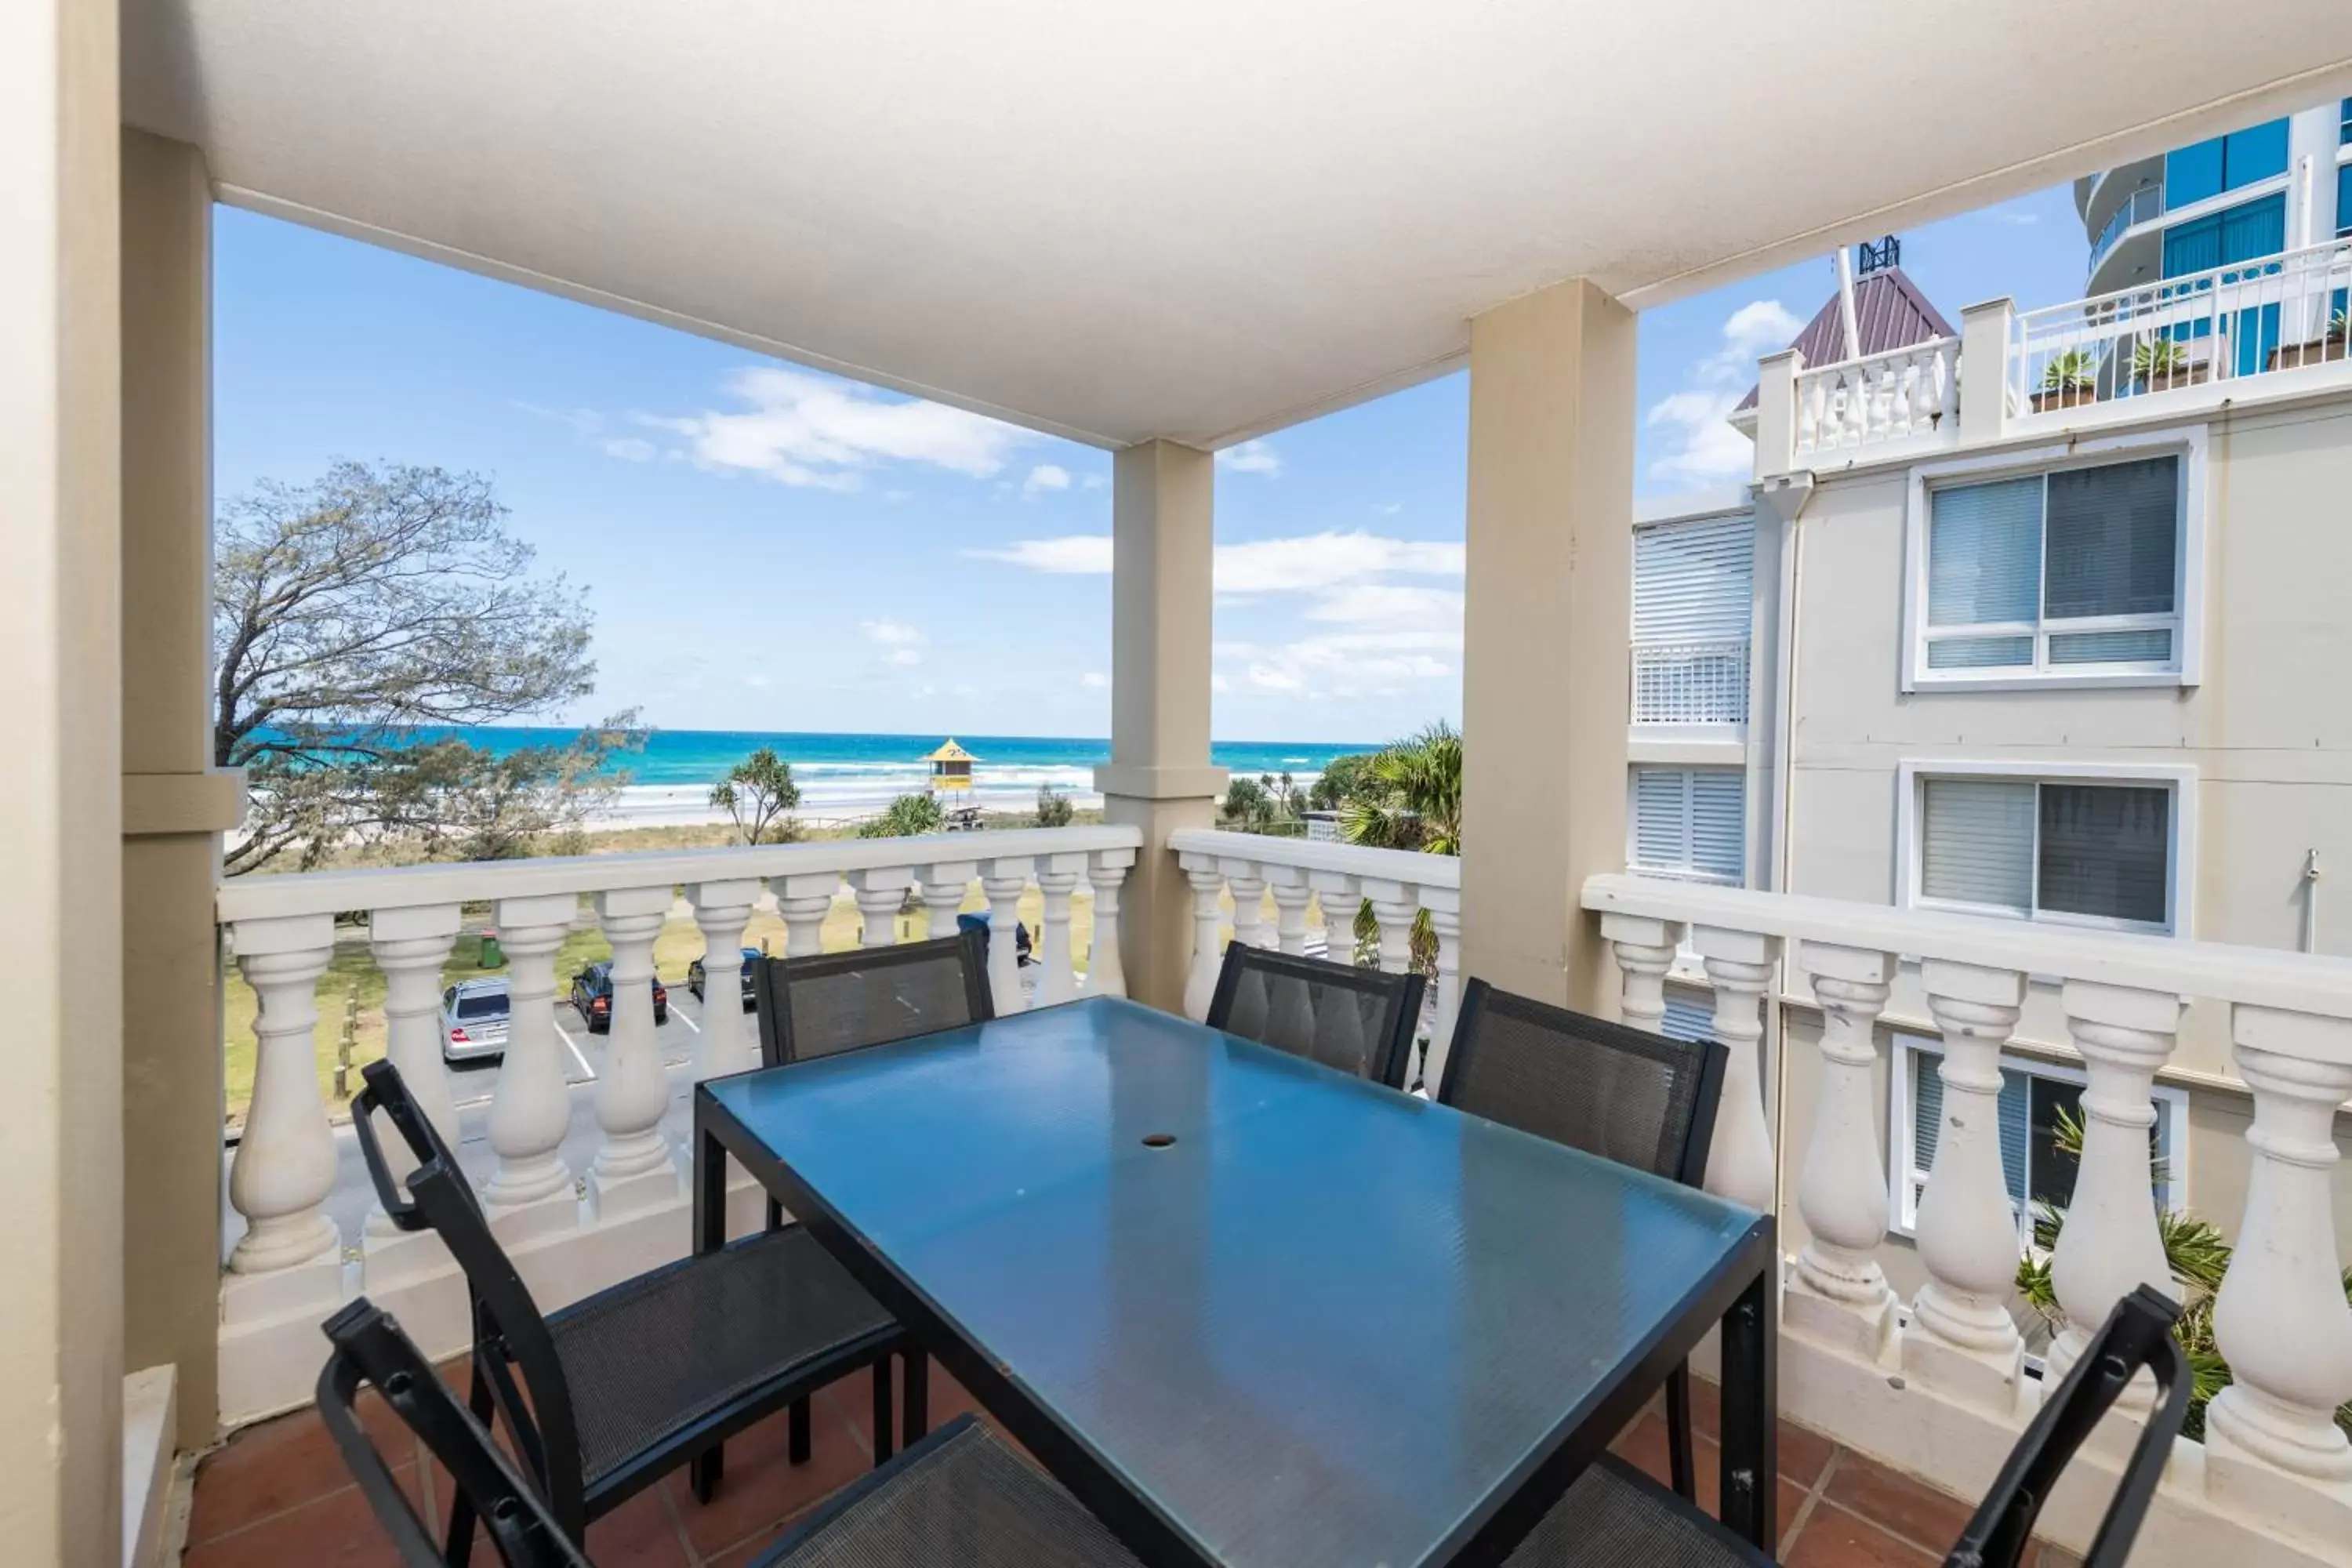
<point>2077,662</point>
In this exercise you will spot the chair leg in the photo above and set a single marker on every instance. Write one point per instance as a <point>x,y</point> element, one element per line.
<point>1678,1433</point>
<point>457,1547</point>
<point>882,1446</point>
<point>775,1215</point>
<point>918,1397</point>
<point>796,1432</point>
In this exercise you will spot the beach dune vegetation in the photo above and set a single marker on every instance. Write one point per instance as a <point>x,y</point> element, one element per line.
<point>906,816</point>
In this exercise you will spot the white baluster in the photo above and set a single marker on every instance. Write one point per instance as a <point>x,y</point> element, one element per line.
<point>1838,1293</point>
<point>632,1169</point>
<point>722,909</point>
<point>1393,905</point>
<point>880,892</point>
<point>1291,896</point>
<point>1106,973</point>
<point>1445,906</point>
<point>530,1193</point>
<point>1739,967</point>
<point>1200,986</point>
<point>1340,897</point>
<point>1003,880</point>
<point>2281,1320</point>
<point>291,1257</point>
<point>1948,388</point>
<point>1057,878</point>
<point>1902,375</point>
<point>1961,1339</point>
<point>2110,1245</point>
<point>1246,882</point>
<point>1645,951</point>
<point>803,901</point>
<point>945,884</point>
<point>1809,413</point>
<point>411,946</point>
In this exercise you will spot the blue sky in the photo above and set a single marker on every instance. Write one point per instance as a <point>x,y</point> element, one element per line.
<point>767,548</point>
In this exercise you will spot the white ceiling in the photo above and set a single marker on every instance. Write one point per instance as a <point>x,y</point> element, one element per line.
<point>1119,220</point>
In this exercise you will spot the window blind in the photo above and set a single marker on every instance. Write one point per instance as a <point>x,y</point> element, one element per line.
<point>1691,822</point>
<point>2111,533</point>
<point>2105,851</point>
<point>1975,842</point>
<point>1984,554</point>
<point>2015,1118</point>
<point>1692,580</point>
<point>1686,1019</point>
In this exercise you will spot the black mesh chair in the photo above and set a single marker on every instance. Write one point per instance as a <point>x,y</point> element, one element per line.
<point>608,1394</point>
<point>1359,1021</point>
<point>833,1002</point>
<point>1616,1517</point>
<point>1625,1094</point>
<point>958,1499</point>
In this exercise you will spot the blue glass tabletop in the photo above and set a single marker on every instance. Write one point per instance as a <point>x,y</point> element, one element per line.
<point>1307,1320</point>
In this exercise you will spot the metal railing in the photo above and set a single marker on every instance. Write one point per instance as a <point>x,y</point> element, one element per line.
<point>2144,204</point>
<point>1695,682</point>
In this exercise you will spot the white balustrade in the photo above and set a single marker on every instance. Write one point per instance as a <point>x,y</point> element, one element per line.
<point>1909,394</point>
<point>633,1167</point>
<point>803,903</point>
<point>945,883</point>
<point>1057,878</point>
<point>1740,1166</point>
<point>880,891</point>
<point>1287,884</point>
<point>285,1163</point>
<point>722,908</point>
<point>530,1111</point>
<point>1445,908</point>
<point>411,947</point>
<point>1003,880</point>
<point>1106,871</point>
<point>1207,881</point>
<point>1838,1291</point>
<point>1247,888</point>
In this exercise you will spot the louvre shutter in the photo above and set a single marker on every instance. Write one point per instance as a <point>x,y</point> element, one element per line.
<point>2105,851</point>
<point>1692,580</point>
<point>1687,1020</point>
<point>1984,554</point>
<point>2013,1118</point>
<point>1691,822</point>
<point>1975,842</point>
<point>1718,825</point>
<point>2114,533</point>
<point>1661,819</point>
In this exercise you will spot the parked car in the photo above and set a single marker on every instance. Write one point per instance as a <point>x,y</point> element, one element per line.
<point>751,956</point>
<point>591,994</point>
<point>979,922</point>
<point>474,1015</point>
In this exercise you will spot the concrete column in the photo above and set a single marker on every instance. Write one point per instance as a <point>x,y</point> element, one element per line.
<point>1159,778</point>
<point>60,794</point>
<point>174,803</point>
<point>1985,331</point>
<point>1544,660</point>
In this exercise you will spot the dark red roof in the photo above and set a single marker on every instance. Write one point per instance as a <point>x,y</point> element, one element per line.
<point>1888,309</point>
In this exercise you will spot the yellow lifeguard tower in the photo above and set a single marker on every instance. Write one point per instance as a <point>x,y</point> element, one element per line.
<point>951,772</point>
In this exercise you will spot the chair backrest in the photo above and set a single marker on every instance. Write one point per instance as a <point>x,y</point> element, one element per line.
<point>509,1333</point>
<point>370,1351</point>
<point>832,1002</point>
<point>1639,1099</point>
<point>1359,1021</point>
<point>2137,1333</point>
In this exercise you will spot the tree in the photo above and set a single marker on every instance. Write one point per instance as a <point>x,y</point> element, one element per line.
<point>757,792</point>
<point>1410,795</point>
<point>1339,782</point>
<point>1247,805</point>
<point>452,801</point>
<point>907,815</point>
<point>348,612</point>
<point>1053,807</point>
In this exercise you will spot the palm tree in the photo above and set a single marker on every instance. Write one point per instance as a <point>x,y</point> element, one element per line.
<point>1410,796</point>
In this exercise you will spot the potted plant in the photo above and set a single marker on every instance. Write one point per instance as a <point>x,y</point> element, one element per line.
<point>2157,363</point>
<point>2068,381</point>
<point>2330,345</point>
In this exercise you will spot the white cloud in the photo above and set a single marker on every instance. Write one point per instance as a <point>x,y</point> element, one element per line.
<point>1095,678</point>
<point>1348,664</point>
<point>810,430</point>
<point>630,448</point>
<point>1073,554</point>
<point>1252,458</point>
<point>1392,606</point>
<point>1388,507</point>
<point>590,426</point>
<point>1093,482</point>
<point>1312,562</point>
<point>1045,477</point>
<point>899,643</point>
<point>1217,682</point>
<point>1704,447</point>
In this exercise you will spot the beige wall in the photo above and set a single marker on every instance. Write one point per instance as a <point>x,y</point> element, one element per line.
<point>60,816</point>
<point>1545,657</point>
<point>174,804</point>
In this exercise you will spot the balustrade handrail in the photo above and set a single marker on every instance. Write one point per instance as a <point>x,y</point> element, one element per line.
<point>2269,978</point>
<point>1411,867</point>
<point>399,887</point>
<point>1883,356</point>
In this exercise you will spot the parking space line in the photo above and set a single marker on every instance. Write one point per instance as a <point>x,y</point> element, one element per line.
<point>680,1014</point>
<point>574,1047</point>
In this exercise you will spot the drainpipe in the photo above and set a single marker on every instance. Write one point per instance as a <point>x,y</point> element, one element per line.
<point>2311,901</point>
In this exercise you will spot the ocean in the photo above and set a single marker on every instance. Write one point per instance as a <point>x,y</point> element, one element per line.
<point>846,776</point>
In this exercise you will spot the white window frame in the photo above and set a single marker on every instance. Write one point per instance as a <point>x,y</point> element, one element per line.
<point>1746,825</point>
<point>2188,624</point>
<point>2181,848</point>
<point>1905,1178</point>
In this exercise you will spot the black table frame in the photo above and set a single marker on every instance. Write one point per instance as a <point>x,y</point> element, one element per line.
<point>1740,1293</point>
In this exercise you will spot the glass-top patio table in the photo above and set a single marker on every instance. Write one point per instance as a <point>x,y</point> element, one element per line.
<point>1253,1312</point>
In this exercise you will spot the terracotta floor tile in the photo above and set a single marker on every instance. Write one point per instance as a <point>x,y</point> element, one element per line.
<point>642,1532</point>
<point>284,1463</point>
<point>1803,1452</point>
<point>1833,1538</point>
<point>338,1530</point>
<point>762,1488</point>
<point>1910,1509</point>
<point>1644,1446</point>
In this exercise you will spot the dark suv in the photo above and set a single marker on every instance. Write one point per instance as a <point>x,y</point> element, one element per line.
<point>592,993</point>
<point>694,972</point>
